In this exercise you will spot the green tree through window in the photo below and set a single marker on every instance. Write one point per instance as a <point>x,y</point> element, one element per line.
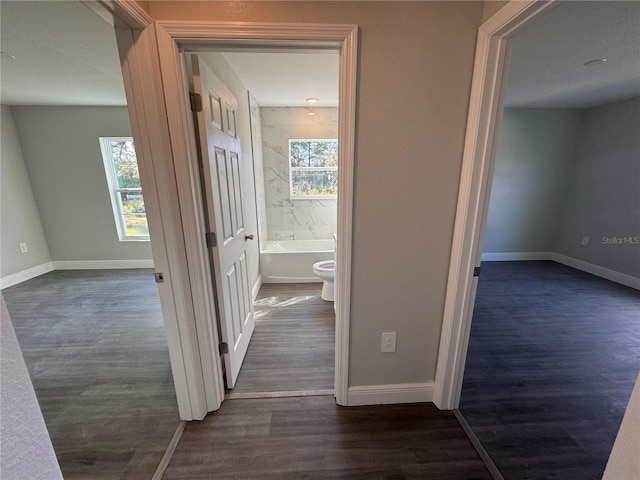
<point>123,177</point>
<point>313,168</point>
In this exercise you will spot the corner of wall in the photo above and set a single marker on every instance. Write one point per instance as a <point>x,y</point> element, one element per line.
<point>20,221</point>
<point>491,7</point>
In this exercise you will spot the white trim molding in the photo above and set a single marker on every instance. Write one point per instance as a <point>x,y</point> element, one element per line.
<point>120,13</point>
<point>174,38</point>
<point>485,113</point>
<point>270,279</point>
<point>256,288</point>
<point>24,275</point>
<point>598,271</point>
<point>101,264</point>
<point>145,101</point>
<point>388,394</point>
<point>515,256</point>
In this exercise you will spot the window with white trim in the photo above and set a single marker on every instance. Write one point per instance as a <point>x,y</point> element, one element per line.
<point>123,178</point>
<point>313,171</point>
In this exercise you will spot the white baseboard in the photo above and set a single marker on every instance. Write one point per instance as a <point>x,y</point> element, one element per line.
<point>598,271</point>
<point>387,394</point>
<point>256,288</point>
<point>581,265</point>
<point>269,279</point>
<point>101,264</point>
<point>28,274</point>
<point>515,256</point>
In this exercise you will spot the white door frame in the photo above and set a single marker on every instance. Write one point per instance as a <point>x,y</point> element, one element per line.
<point>161,122</point>
<point>483,123</point>
<point>137,47</point>
<point>172,37</point>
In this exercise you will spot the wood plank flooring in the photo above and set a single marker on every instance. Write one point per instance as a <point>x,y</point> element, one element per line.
<point>312,438</point>
<point>292,347</point>
<point>553,357</point>
<point>95,347</point>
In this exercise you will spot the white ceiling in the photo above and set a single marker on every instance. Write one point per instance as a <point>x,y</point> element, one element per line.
<point>66,55</point>
<point>547,64</point>
<point>288,79</point>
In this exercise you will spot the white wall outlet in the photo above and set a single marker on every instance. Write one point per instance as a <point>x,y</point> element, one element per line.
<point>585,241</point>
<point>23,247</point>
<point>388,342</point>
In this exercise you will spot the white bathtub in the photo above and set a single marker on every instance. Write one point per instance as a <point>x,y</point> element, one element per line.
<point>291,261</point>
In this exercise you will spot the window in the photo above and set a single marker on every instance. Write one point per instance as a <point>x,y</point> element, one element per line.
<point>314,168</point>
<point>121,167</point>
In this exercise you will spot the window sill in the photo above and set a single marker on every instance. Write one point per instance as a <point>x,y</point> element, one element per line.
<point>313,197</point>
<point>141,239</point>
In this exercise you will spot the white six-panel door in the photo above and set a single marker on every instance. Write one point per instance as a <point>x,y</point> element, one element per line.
<point>222,163</point>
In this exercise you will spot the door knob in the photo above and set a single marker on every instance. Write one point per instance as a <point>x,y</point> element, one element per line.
<point>248,237</point>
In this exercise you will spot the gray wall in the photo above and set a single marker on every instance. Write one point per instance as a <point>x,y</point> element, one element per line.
<point>532,170</point>
<point>25,447</point>
<point>62,153</point>
<point>561,175</point>
<point>491,8</point>
<point>415,61</point>
<point>221,68</point>
<point>299,219</point>
<point>604,193</point>
<point>19,217</point>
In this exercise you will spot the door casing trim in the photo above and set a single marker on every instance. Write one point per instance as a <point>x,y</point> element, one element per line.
<point>172,37</point>
<point>483,124</point>
<point>137,47</point>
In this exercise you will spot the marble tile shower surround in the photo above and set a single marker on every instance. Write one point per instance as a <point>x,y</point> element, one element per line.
<point>298,219</point>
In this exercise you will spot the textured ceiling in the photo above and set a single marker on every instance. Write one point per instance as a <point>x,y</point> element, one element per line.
<point>547,64</point>
<point>66,55</point>
<point>287,79</point>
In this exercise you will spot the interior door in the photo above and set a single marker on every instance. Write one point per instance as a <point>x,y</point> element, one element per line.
<point>221,162</point>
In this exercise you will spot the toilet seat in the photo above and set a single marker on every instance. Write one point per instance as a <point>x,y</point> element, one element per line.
<point>326,266</point>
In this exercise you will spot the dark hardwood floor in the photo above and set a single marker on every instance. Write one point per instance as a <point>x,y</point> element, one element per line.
<point>553,357</point>
<point>292,348</point>
<point>95,347</point>
<point>312,438</point>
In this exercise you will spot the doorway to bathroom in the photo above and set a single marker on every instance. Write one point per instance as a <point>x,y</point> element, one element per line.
<point>282,203</point>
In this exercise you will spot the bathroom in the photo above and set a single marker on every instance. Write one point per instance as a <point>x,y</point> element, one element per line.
<point>295,151</point>
<point>293,130</point>
<point>297,209</point>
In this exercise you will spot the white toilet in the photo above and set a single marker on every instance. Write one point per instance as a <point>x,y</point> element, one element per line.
<point>326,271</point>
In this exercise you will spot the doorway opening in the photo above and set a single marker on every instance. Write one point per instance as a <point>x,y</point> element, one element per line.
<point>485,121</point>
<point>268,150</point>
<point>538,332</point>
<point>175,42</point>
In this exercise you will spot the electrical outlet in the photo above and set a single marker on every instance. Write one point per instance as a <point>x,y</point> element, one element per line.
<point>23,247</point>
<point>388,342</point>
<point>585,241</point>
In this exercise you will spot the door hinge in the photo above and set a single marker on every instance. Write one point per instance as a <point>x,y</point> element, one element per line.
<point>223,348</point>
<point>159,277</point>
<point>212,240</point>
<point>195,99</point>
<point>476,271</point>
